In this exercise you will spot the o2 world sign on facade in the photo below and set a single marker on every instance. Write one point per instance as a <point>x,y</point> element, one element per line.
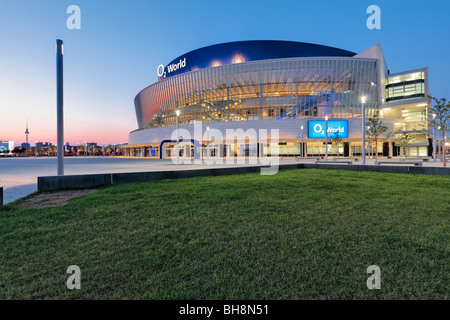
<point>336,128</point>
<point>161,71</point>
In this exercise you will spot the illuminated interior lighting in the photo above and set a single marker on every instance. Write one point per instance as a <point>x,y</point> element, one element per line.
<point>238,59</point>
<point>216,63</point>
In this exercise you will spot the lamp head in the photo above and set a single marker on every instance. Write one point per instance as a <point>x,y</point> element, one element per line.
<point>363,99</point>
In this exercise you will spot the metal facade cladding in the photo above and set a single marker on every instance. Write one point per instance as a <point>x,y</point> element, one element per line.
<point>245,51</point>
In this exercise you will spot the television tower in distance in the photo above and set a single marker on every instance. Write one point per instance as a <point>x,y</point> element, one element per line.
<point>27,132</point>
<point>26,145</point>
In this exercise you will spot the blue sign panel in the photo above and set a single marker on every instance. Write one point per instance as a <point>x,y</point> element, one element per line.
<point>4,146</point>
<point>336,128</point>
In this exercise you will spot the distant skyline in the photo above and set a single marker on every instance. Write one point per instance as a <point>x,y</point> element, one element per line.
<point>120,45</point>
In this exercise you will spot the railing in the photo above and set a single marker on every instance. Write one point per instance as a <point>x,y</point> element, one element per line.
<point>307,105</point>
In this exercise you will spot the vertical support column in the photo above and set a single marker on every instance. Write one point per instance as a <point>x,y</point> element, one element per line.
<point>261,99</point>
<point>228,102</point>
<point>296,100</point>
<point>363,129</point>
<point>60,105</point>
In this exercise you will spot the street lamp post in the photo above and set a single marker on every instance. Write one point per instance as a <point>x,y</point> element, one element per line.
<point>434,137</point>
<point>207,143</point>
<point>60,106</point>
<point>302,143</point>
<point>326,138</point>
<point>363,119</point>
<point>178,136</point>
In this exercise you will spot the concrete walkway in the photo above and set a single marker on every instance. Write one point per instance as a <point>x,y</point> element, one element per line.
<point>18,176</point>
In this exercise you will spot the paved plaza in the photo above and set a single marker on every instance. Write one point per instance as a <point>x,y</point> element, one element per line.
<point>18,176</point>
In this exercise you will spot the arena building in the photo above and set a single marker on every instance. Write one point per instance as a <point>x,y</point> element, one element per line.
<point>284,85</point>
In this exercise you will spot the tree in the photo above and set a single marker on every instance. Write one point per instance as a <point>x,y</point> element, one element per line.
<point>109,150</point>
<point>440,112</point>
<point>403,140</point>
<point>18,150</point>
<point>51,150</point>
<point>337,141</point>
<point>80,150</point>
<point>375,130</point>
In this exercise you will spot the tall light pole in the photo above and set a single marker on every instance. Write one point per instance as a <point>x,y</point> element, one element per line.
<point>178,136</point>
<point>363,126</point>
<point>439,142</point>
<point>207,143</point>
<point>434,137</point>
<point>60,105</point>
<point>302,142</point>
<point>326,138</point>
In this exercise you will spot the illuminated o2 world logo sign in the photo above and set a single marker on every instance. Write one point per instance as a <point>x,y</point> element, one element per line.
<point>161,71</point>
<point>336,128</point>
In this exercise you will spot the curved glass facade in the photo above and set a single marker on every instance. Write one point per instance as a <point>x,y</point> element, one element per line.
<point>261,90</point>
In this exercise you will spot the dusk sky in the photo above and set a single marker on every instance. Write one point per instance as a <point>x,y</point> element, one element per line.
<point>116,52</point>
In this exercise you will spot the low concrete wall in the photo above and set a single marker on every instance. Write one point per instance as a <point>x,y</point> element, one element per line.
<point>389,169</point>
<point>73,182</point>
<point>437,171</point>
<point>98,180</point>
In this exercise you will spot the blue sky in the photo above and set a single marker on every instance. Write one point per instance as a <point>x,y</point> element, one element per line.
<point>121,43</point>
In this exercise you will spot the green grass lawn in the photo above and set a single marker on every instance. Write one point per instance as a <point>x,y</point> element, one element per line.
<point>301,234</point>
